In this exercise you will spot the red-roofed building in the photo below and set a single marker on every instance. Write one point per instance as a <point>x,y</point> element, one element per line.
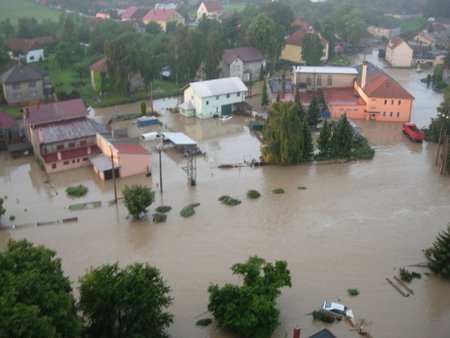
<point>399,53</point>
<point>292,50</point>
<point>163,16</point>
<point>30,49</point>
<point>61,134</point>
<point>128,13</point>
<point>210,10</point>
<point>125,159</point>
<point>244,63</point>
<point>423,38</point>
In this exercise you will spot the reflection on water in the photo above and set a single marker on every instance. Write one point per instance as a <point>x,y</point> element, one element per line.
<point>354,225</point>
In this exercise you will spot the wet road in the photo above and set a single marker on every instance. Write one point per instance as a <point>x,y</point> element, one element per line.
<point>355,224</point>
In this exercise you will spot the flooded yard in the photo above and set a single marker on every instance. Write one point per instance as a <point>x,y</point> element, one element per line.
<point>354,225</point>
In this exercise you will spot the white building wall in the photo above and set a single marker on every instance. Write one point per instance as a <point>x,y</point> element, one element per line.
<point>35,55</point>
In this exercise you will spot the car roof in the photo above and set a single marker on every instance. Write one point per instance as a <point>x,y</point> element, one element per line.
<point>333,305</point>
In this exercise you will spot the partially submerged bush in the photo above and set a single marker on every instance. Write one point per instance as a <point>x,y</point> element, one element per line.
<point>408,276</point>
<point>189,210</point>
<point>301,188</point>
<point>253,194</point>
<point>353,292</point>
<point>162,209</point>
<point>203,322</point>
<point>229,200</point>
<point>77,191</point>
<point>159,218</point>
<point>12,218</point>
<point>323,317</point>
<point>278,191</point>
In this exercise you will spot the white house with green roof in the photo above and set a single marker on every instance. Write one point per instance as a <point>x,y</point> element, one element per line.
<point>212,98</point>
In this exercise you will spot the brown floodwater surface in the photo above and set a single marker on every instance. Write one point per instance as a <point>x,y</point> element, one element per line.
<point>354,225</point>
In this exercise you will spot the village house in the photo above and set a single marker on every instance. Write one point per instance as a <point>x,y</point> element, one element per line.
<point>374,96</point>
<point>134,15</point>
<point>245,63</point>
<point>292,50</point>
<point>125,159</point>
<point>384,32</point>
<point>32,50</point>
<point>207,99</point>
<point>25,85</point>
<point>163,17</point>
<point>423,38</point>
<point>399,53</point>
<point>61,134</point>
<point>210,10</point>
<point>315,78</point>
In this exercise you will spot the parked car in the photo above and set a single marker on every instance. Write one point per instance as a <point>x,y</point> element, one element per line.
<point>336,310</point>
<point>225,117</point>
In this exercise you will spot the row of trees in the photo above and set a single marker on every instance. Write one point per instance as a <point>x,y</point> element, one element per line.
<point>36,299</point>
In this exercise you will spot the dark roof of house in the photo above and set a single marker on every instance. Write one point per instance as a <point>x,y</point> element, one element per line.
<point>25,45</point>
<point>213,6</point>
<point>21,73</point>
<point>324,333</point>
<point>126,148</point>
<point>70,130</point>
<point>246,54</point>
<point>55,112</point>
<point>100,66</point>
<point>6,121</point>
<point>140,13</point>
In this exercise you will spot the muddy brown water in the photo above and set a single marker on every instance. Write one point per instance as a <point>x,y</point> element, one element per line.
<point>354,225</point>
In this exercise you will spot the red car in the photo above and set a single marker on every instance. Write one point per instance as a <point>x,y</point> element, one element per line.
<point>413,133</point>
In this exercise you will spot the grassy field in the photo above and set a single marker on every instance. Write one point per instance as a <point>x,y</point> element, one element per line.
<point>16,9</point>
<point>410,27</point>
<point>231,8</point>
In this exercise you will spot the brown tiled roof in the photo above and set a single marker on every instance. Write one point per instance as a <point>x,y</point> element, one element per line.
<point>246,54</point>
<point>128,13</point>
<point>100,66</point>
<point>296,38</point>
<point>380,85</point>
<point>6,121</point>
<point>158,14</point>
<point>55,112</point>
<point>213,6</point>
<point>131,149</point>
<point>395,42</point>
<point>25,45</point>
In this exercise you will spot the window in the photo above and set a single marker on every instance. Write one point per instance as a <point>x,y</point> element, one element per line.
<point>85,159</point>
<point>399,102</point>
<point>392,101</point>
<point>330,80</point>
<point>385,101</point>
<point>308,80</point>
<point>319,80</point>
<point>398,114</point>
<point>228,96</point>
<point>16,86</point>
<point>60,147</point>
<point>391,113</point>
<point>207,102</point>
<point>66,162</point>
<point>54,166</point>
<point>32,58</point>
<point>384,114</point>
<point>238,94</point>
<point>83,143</point>
<point>71,144</point>
<point>31,84</point>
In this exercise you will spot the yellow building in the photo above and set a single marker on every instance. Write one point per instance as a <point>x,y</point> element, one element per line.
<point>292,50</point>
<point>163,16</point>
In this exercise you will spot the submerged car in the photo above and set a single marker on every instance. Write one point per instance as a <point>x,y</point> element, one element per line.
<point>336,310</point>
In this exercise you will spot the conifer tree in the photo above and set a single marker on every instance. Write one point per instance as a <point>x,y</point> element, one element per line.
<point>307,141</point>
<point>314,111</point>
<point>297,95</point>
<point>439,254</point>
<point>343,137</point>
<point>324,140</point>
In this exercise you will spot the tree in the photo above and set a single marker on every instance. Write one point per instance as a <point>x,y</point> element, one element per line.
<point>250,310</point>
<point>343,138</point>
<point>312,49</point>
<point>308,147</point>
<point>129,302</point>
<point>137,198</point>
<point>324,140</point>
<point>214,52</point>
<point>35,297</point>
<point>264,97</point>
<point>314,111</point>
<point>438,255</point>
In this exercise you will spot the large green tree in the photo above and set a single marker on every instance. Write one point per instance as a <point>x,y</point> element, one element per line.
<point>324,140</point>
<point>342,139</point>
<point>35,297</point>
<point>312,49</point>
<point>137,198</point>
<point>128,302</point>
<point>439,254</point>
<point>250,310</point>
<point>314,111</point>
<point>284,134</point>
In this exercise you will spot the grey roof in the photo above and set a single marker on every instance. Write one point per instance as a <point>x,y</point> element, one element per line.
<point>215,87</point>
<point>325,333</point>
<point>66,131</point>
<point>325,70</point>
<point>246,54</point>
<point>19,74</point>
<point>103,163</point>
<point>179,139</point>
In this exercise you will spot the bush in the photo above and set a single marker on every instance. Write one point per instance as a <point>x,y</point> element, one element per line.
<point>323,317</point>
<point>253,194</point>
<point>203,322</point>
<point>189,210</point>
<point>159,218</point>
<point>229,200</point>
<point>353,292</point>
<point>12,218</point>
<point>77,191</point>
<point>163,209</point>
<point>278,191</point>
<point>408,276</point>
<point>363,151</point>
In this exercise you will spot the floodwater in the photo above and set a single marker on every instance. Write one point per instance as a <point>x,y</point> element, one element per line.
<point>354,225</point>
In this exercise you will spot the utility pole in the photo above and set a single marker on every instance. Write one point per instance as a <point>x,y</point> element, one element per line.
<point>114,175</point>
<point>160,149</point>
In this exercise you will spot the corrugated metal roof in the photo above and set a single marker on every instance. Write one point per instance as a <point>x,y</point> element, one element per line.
<point>179,139</point>
<point>56,111</point>
<point>66,131</point>
<point>218,87</point>
<point>103,163</point>
<point>325,70</point>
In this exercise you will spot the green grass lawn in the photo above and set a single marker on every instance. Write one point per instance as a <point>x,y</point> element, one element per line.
<point>16,9</point>
<point>13,111</point>
<point>410,27</point>
<point>231,8</point>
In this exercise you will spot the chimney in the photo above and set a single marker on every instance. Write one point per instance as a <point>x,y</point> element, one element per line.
<point>364,74</point>
<point>296,333</point>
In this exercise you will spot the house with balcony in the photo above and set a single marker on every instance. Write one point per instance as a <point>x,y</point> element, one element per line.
<point>25,85</point>
<point>212,98</point>
<point>244,63</point>
<point>61,134</point>
<point>399,53</point>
